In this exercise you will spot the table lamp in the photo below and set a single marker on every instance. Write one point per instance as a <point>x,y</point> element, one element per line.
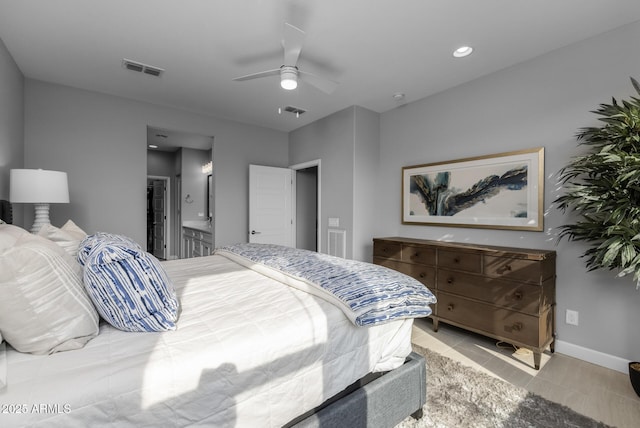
<point>39,187</point>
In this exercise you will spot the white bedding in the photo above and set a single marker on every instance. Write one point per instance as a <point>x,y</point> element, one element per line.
<point>248,351</point>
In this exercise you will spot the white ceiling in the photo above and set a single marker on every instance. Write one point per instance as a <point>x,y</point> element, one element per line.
<point>374,48</point>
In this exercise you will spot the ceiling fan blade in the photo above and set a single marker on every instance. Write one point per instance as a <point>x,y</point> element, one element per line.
<point>322,83</point>
<point>267,73</point>
<point>292,44</point>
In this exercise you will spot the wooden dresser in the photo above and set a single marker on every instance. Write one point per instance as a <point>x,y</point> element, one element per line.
<point>501,292</point>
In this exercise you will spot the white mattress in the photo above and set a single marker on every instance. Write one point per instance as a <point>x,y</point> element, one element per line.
<point>249,351</point>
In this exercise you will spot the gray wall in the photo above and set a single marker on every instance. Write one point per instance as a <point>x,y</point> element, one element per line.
<point>347,143</point>
<point>161,163</point>
<point>365,175</point>
<point>100,141</point>
<point>542,102</point>
<point>11,124</point>
<point>330,140</point>
<point>194,184</point>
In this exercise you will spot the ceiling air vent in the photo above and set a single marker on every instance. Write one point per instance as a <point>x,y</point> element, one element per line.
<point>296,110</point>
<point>142,68</point>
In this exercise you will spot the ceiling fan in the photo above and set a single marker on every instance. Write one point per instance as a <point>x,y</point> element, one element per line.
<point>289,71</point>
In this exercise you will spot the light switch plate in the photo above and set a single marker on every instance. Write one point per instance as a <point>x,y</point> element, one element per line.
<point>334,222</point>
<point>572,317</point>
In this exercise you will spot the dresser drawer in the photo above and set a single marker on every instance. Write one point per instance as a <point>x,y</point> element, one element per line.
<point>387,249</point>
<point>422,255</point>
<point>424,274</point>
<point>500,322</point>
<point>532,271</point>
<point>469,262</point>
<point>512,295</point>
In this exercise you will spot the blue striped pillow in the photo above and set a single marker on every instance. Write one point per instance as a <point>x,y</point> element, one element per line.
<point>129,287</point>
<point>97,238</point>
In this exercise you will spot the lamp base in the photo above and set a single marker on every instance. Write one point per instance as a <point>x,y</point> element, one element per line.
<point>42,217</point>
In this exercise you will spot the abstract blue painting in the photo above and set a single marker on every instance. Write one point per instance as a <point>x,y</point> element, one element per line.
<point>503,191</point>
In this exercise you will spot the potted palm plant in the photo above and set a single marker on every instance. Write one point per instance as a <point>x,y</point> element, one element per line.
<point>602,187</point>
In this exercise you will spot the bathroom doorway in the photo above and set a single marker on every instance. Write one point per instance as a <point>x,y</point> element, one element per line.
<point>181,158</point>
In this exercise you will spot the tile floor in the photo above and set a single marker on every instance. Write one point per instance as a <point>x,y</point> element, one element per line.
<point>592,390</point>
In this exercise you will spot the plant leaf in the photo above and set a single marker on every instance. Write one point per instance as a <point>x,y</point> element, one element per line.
<point>602,189</point>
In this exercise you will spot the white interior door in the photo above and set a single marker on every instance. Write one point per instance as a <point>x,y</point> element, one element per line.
<point>270,205</point>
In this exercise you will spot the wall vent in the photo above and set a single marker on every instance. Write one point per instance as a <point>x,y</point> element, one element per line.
<point>337,243</point>
<point>142,68</point>
<point>296,110</point>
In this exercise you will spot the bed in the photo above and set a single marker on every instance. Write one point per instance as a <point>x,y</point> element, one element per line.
<point>252,346</point>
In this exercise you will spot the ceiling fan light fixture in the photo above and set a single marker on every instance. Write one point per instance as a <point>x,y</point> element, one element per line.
<point>289,78</point>
<point>289,83</point>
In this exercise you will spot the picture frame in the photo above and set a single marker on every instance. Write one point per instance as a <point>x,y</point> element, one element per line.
<point>498,191</point>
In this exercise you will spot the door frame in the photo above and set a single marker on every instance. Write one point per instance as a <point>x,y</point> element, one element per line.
<point>167,211</point>
<point>304,165</point>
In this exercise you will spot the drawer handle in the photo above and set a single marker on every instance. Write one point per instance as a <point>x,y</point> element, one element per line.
<point>508,267</point>
<point>517,326</point>
<point>416,254</point>
<point>456,260</point>
<point>518,295</point>
<point>450,307</point>
<point>449,280</point>
<point>422,275</point>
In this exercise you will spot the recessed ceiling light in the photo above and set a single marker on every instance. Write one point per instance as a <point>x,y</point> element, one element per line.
<point>153,146</point>
<point>398,96</point>
<point>462,51</point>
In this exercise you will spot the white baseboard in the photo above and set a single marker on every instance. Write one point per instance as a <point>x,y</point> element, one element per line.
<point>591,356</point>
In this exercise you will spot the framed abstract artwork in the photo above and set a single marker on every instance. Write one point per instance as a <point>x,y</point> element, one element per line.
<point>500,191</point>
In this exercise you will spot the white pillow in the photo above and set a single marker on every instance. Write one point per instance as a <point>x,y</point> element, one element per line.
<point>68,236</point>
<point>9,234</point>
<point>43,305</point>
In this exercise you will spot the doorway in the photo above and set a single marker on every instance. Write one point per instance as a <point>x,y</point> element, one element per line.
<point>307,205</point>
<point>284,205</point>
<point>181,157</point>
<point>158,216</point>
<point>306,208</point>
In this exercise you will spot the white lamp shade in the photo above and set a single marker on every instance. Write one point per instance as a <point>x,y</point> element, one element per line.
<point>38,186</point>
